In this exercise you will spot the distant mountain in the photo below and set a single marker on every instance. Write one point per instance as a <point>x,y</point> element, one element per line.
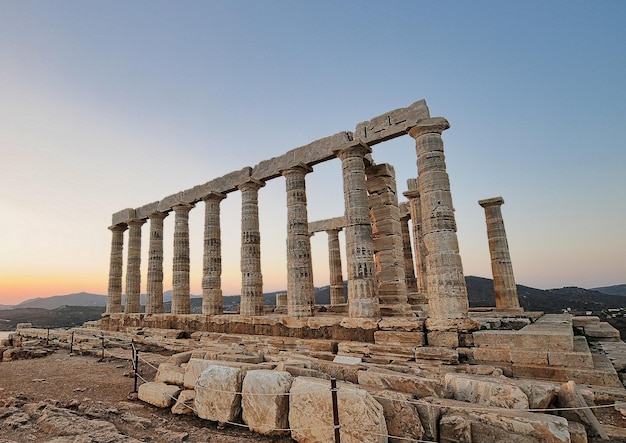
<point>6,307</point>
<point>612,290</point>
<point>79,299</point>
<point>61,317</point>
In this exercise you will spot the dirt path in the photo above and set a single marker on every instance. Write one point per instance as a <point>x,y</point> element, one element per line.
<point>86,388</point>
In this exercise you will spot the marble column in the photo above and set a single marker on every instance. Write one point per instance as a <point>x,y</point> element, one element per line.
<point>114,298</point>
<point>362,296</point>
<point>415,208</point>
<point>409,264</point>
<point>212,303</point>
<point>337,290</point>
<point>133,267</point>
<point>300,291</point>
<point>251,276</point>
<point>180,282</point>
<point>501,267</point>
<point>447,293</point>
<point>387,236</point>
<point>154,301</point>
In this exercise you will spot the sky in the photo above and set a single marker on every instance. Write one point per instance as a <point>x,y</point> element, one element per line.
<point>106,105</point>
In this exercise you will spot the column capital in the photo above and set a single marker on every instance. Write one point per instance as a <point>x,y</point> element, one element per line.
<point>301,167</point>
<point>337,230</point>
<point>435,125</point>
<point>495,201</point>
<point>251,183</point>
<point>214,196</point>
<point>136,222</point>
<point>359,149</point>
<point>120,227</point>
<point>183,207</point>
<point>157,215</point>
<point>411,194</point>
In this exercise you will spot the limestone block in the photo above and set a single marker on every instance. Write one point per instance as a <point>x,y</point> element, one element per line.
<point>401,415</point>
<point>391,124</point>
<point>583,321</point>
<point>171,374</point>
<point>218,395</point>
<point>226,183</point>
<point>23,326</point>
<point>496,339</point>
<point>570,397</point>
<point>447,339</point>
<point>399,338</point>
<point>265,401</point>
<point>185,403</point>
<point>492,354</point>
<point>180,358</point>
<point>485,391</point>
<point>158,394</point>
<point>144,211</point>
<point>123,216</point>
<point>437,353</point>
<point>530,356</point>
<point>491,425</point>
<point>577,432</point>
<point>347,360</point>
<point>602,332</point>
<point>418,386</point>
<point>541,395</point>
<point>346,372</point>
<point>194,368</point>
<point>455,428</point>
<point>311,419</point>
<point>407,324</point>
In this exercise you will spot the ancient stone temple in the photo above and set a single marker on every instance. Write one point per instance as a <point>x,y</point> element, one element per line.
<point>414,361</point>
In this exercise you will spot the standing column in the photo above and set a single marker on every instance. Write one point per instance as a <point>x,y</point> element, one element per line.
<point>251,276</point>
<point>362,297</point>
<point>409,266</point>
<point>387,235</point>
<point>337,291</point>
<point>154,301</point>
<point>180,297</point>
<point>447,292</point>
<point>501,267</point>
<point>133,268</point>
<point>114,299</point>
<point>212,303</point>
<point>415,208</point>
<point>300,292</point>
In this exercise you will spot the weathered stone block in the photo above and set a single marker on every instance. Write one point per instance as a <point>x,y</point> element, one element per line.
<point>391,124</point>
<point>123,216</point>
<point>418,386</point>
<point>310,413</point>
<point>401,415</point>
<point>193,370</point>
<point>185,403</point>
<point>530,356</point>
<point>447,339</point>
<point>436,353</point>
<point>171,374</point>
<point>217,394</point>
<point>399,338</point>
<point>407,324</point>
<point>158,394</point>
<point>569,397</point>
<point>265,401</point>
<point>485,391</point>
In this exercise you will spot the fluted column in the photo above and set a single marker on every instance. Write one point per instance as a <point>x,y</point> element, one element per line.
<point>212,303</point>
<point>415,208</point>
<point>447,292</point>
<point>300,291</point>
<point>387,236</point>
<point>501,267</point>
<point>180,284</point>
<point>114,298</point>
<point>409,266</point>
<point>362,296</point>
<point>251,276</point>
<point>337,290</point>
<point>133,268</point>
<point>154,301</point>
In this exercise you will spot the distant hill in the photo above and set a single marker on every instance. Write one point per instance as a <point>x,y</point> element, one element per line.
<point>61,317</point>
<point>2,307</point>
<point>79,299</point>
<point>612,290</point>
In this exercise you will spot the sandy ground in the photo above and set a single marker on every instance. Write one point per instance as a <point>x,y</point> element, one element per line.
<point>83,383</point>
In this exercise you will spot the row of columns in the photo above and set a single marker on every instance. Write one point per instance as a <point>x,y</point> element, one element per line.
<point>437,257</point>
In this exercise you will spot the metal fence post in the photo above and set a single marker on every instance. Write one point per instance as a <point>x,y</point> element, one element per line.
<point>336,426</point>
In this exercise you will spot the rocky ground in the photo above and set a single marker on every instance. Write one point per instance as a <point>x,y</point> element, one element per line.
<point>80,399</point>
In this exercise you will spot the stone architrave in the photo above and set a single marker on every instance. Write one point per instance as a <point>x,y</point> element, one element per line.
<point>133,268</point>
<point>337,290</point>
<point>180,284</point>
<point>212,303</point>
<point>415,209</point>
<point>114,298</point>
<point>409,264</point>
<point>501,267</point>
<point>154,300</point>
<point>251,276</point>
<point>387,236</point>
<point>300,291</point>
<point>447,293</point>
<point>362,296</point>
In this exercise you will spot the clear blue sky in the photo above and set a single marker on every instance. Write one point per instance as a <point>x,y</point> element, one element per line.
<point>108,105</point>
